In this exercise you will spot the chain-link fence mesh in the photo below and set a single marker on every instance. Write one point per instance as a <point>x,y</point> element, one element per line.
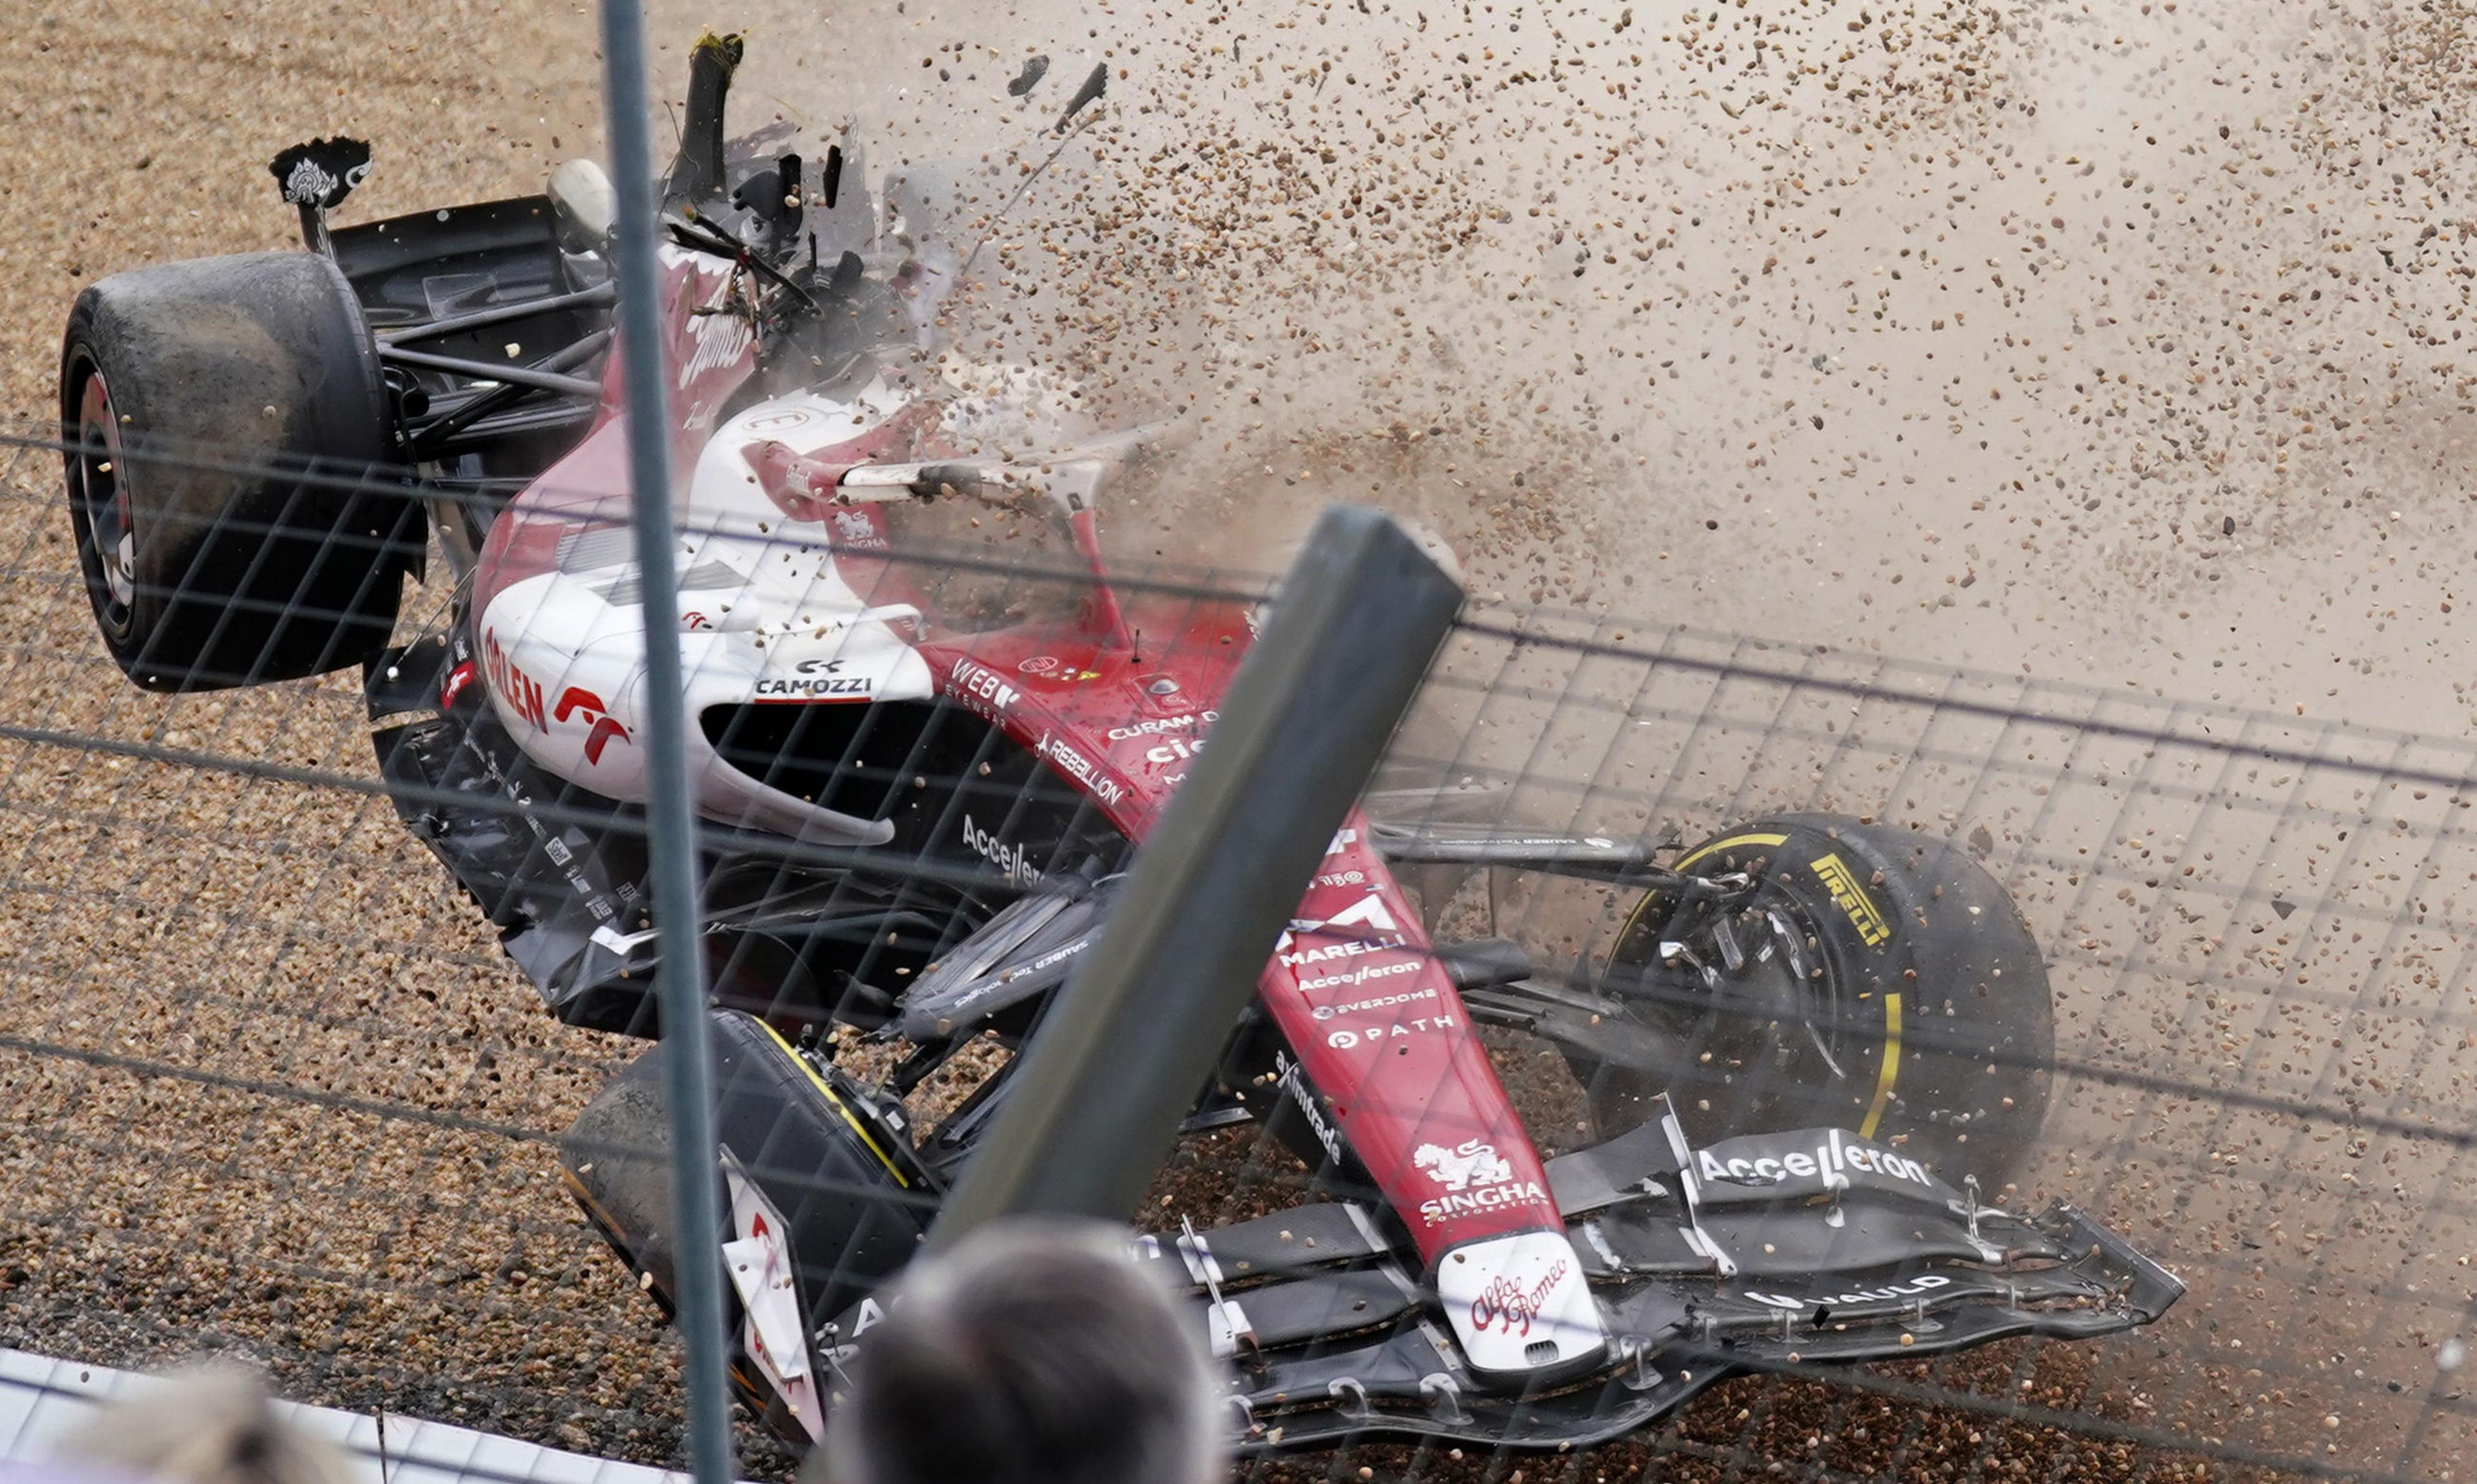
<point>278,1088</point>
<point>277,1091</point>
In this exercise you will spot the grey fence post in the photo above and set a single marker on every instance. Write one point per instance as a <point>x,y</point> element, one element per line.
<point>681,976</point>
<point>1119,1060</point>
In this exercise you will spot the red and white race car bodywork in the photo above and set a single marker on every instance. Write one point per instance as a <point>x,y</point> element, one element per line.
<point>921,796</point>
<point>782,602</point>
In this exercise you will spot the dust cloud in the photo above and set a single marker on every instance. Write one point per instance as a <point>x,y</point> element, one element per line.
<point>2107,342</point>
<point>2112,340</point>
<point>2115,342</point>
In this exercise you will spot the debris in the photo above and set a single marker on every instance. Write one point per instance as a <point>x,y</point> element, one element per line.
<point>1093,86</point>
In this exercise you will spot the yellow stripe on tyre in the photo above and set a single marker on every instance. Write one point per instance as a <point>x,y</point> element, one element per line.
<point>1729,844</point>
<point>1892,1068</point>
<point>837,1103</point>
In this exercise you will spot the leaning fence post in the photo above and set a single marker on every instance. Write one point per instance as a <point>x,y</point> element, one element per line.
<point>1118,1059</point>
<point>697,1283</point>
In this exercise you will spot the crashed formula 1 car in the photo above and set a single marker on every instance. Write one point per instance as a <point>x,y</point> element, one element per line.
<point>1810,1046</point>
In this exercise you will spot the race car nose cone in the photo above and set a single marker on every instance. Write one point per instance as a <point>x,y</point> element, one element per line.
<point>1519,1306</point>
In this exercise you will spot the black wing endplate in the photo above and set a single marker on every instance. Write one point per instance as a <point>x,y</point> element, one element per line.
<point>319,174</point>
<point>315,178</point>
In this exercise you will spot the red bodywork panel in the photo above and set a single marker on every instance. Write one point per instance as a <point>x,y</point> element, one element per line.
<point>1371,1014</point>
<point>707,358</point>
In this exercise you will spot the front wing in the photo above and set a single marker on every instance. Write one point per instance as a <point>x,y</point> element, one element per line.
<point>1331,1338</point>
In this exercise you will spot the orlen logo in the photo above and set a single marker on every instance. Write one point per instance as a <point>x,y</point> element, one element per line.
<point>522,693</point>
<point>576,700</point>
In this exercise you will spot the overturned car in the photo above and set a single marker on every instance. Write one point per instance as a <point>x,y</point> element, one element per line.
<point>919,795</point>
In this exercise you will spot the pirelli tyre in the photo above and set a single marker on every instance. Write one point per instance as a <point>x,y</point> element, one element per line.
<point>1874,979</point>
<point>815,1180</point>
<point>222,422</point>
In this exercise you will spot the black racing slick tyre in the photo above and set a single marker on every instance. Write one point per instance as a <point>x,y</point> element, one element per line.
<point>1877,980</point>
<point>225,432</point>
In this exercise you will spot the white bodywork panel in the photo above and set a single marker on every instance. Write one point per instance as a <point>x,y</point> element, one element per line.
<point>764,616</point>
<point>1507,1295</point>
<point>759,1260</point>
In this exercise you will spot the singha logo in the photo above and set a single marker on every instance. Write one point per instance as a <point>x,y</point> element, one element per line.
<point>1463,1166</point>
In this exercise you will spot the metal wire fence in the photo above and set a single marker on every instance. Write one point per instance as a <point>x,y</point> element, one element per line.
<point>275,1089</point>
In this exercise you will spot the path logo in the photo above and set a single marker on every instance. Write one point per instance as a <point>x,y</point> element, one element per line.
<point>1852,899</point>
<point>1463,1166</point>
<point>577,701</point>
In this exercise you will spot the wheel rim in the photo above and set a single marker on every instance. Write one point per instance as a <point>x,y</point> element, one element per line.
<point>103,497</point>
<point>1775,1021</point>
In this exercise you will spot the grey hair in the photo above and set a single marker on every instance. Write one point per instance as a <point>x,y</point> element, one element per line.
<point>1037,1351</point>
<point>211,1426</point>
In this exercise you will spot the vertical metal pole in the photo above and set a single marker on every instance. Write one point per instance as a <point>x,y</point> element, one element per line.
<point>1120,1058</point>
<point>687,1062</point>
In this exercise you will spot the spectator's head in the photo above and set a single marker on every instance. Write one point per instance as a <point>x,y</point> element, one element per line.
<point>1036,1352</point>
<point>205,1426</point>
